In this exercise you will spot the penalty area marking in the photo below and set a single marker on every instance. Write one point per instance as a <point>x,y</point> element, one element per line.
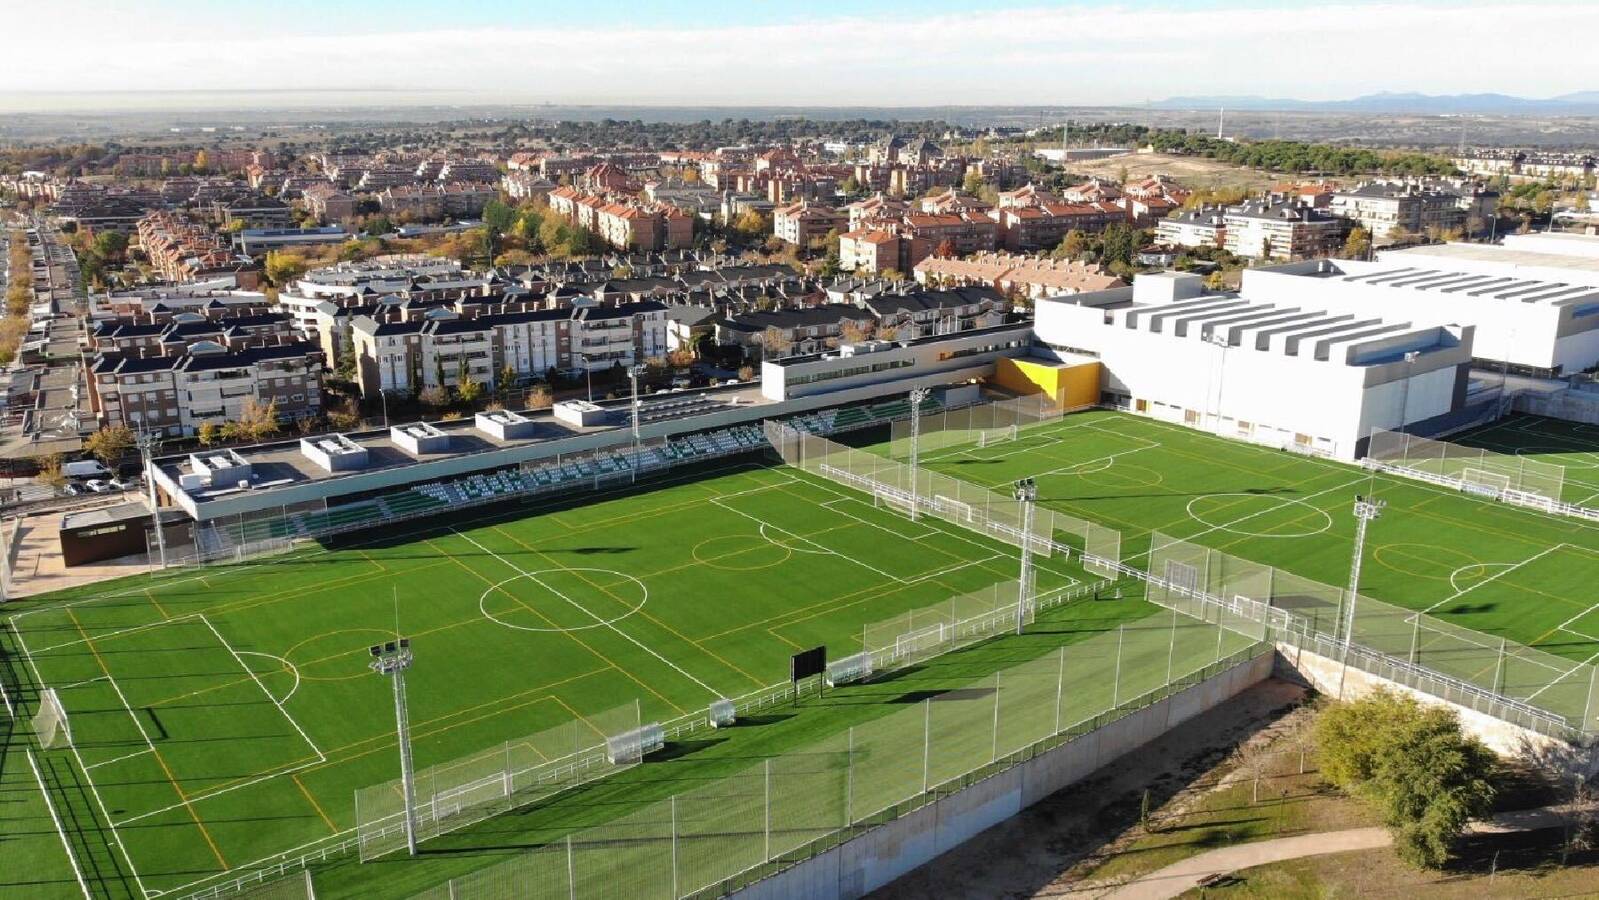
<point>289,667</point>
<point>533,576</point>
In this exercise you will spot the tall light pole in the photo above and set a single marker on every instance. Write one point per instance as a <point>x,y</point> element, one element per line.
<point>1219,340</point>
<point>633,373</point>
<point>1026,490</point>
<point>1404,395</point>
<point>392,659</point>
<point>917,397</point>
<point>145,440</point>
<point>1366,509</point>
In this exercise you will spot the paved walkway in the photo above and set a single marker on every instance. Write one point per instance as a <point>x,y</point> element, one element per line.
<point>1185,875</point>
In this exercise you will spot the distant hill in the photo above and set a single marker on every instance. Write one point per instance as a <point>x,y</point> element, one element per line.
<point>1581,103</point>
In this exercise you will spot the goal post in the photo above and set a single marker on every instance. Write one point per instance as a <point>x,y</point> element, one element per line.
<point>989,437</point>
<point>1484,479</point>
<point>50,724</point>
<point>898,501</point>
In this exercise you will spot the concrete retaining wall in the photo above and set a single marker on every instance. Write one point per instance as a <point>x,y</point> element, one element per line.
<point>1329,677</point>
<point>881,855</point>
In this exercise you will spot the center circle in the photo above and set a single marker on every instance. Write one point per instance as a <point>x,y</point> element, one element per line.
<point>626,584</point>
<point>1258,506</point>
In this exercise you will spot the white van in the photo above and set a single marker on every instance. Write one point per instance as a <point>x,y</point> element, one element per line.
<point>85,468</point>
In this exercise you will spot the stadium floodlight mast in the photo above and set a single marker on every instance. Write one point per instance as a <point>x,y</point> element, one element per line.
<point>1026,490</point>
<point>918,397</point>
<point>633,372</point>
<point>146,441</point>
<point>1366,509</point>
<point>392,658</point>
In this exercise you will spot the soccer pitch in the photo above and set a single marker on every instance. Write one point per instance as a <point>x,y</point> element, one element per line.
<point>223,716</point>
<point>1492,568</point>
<point>1573,445</point>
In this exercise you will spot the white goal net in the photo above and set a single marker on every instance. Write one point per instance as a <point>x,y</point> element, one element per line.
<point>50,722</point>
<point>913,643</point>
<point>996,436</point>
<point>1485,480</point>
<point>899,501</point>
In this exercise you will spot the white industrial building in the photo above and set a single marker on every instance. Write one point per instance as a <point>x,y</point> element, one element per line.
<point>1277,370</point>
<point>1535,313</point>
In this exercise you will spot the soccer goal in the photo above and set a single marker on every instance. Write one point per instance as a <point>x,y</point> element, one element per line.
<point>50,722</point>
<point>961,510</point>
<point>913,643</point>
<point>1484,481</point>
<point>991,436</point>
<point>898,501</point>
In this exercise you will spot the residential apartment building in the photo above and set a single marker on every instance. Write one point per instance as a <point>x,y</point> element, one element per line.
<point>1283,231</point>
<point>1202,227</point>
<point>329,204</point>
<point>1390,211</point>
<point>1015,275</point>
<point>804,224</point>
<point>175,394</point>
<point>625,222</point>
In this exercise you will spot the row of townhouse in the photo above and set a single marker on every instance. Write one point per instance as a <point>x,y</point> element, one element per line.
<point>181,251</point>
<point>168,335</point>
<point>456,199</point>
<point>174,394</point>
<point>1017,275</point>
<point>1527,163</point>
<point>407,352</point>
<point>623,221</point>
<point>1391,210</point>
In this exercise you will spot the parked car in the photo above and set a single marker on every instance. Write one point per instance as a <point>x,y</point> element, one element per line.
<point>97,486</point>
<point>125,484</point>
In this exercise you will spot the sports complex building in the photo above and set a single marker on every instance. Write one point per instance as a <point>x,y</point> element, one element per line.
<point>1093,508</point>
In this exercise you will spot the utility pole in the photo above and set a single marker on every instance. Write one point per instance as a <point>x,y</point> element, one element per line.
<point>1366,509</point>
<point>1026,490</point>
<point>392,659</point>
<point>918,396</point>
<point>145,440</point>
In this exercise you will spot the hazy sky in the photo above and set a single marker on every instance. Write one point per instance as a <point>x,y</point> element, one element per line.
<point>894,52</point>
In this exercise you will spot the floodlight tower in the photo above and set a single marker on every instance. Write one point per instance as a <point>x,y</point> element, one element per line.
<point>1366,509</point>
<point>392,659</point>
<point>145,440</point>
<point>918,396</point>
<point>1026,490</point>
<point>633,372</point>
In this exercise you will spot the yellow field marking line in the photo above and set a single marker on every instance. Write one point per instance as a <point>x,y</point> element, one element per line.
<point>153,751</point>
<point>157,603</point>
<point>314,805</point>
<point>606,590</point>
<point>579,641</point>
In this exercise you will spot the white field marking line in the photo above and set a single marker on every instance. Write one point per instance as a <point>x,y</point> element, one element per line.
<point>801,537</point>
<point>535,579</point>
<point>821,552</point>
<point>273,858</point>
<point>1587,663</point>
<point>253,677</point>
<point>1508,568</point>
<point>105,814</point>
<point>1454,586</point>
<point>196,798</point>
<point>125,757</point>
<point>967,448</point>
<point>287,666</point>
<point>1305,499</point>
<point>11,712</point>
<point>828,505</point>
<point>954,532</point>
<point>107,635</point>
<point>423,525</point>
<point>1567,624</point>
<point>68,687</point>
<point>60,832</point>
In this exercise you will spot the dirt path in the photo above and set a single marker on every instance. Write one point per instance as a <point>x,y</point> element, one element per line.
<point>1173,880</point>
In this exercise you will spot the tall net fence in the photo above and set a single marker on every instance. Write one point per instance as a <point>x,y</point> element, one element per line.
<point>980,424</point>
<point>463,791</point>
<point>921,491</point>
<point>1517,683</point>
<point>721,834</point>
<point>1471,469</point>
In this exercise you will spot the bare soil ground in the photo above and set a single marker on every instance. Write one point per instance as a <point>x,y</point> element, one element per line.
<point>1190,171</point>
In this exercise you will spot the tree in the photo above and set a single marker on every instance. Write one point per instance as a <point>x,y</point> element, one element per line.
<point>751,224</point>
<point>110,444</point>
<point>851,332</point>
<point>283,267</point>
<point>775,341</point>
<point>468,388</point>
<point>746,373</point>
<point>258,421</point>
<point>202,161</point>
<point>50,474</point>
<point>110,245</point>
<point>539,397</point>
<point>1072,246</point>
<point>210,434</point>
<point>1413,764</point>
<point>507,377</point>
<point>434,397</point>
<point>1358,243</point>
<point>974,183</point>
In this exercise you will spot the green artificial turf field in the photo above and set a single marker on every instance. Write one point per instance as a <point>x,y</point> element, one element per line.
<point>223,716</point>
<point>1488,567</point>
<point>1572,445</point>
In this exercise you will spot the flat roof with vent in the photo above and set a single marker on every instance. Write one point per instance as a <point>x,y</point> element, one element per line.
<point>419,438</point>
<point>334,452</point>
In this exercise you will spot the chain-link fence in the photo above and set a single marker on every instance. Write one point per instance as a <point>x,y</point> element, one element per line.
<point>970,424</point>
<point>457,793</point>
<point>715,836</point>
<point>921,491</point>
<point>1471,469</point>
<point>1517,683</point>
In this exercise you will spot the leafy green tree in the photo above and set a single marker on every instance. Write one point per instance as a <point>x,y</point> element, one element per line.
<point>1414,765</point>
<point>1358,244</point>
<point>283,267</point>
<point>110,444</point>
